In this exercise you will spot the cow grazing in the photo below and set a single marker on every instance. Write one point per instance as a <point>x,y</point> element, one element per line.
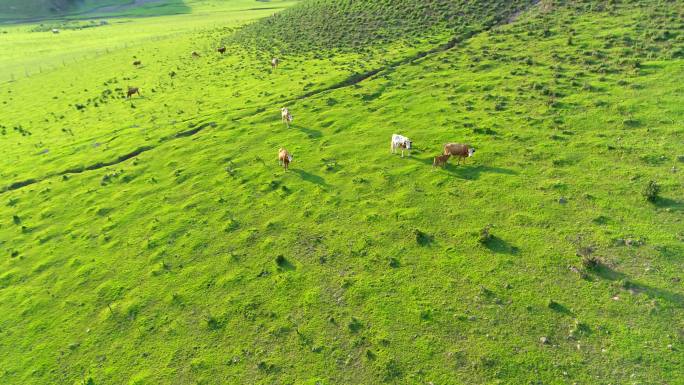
<point>221,50</point>
<point>284,158</point>
<point>137,63</point>
<point>462,151</point>
<point>286,116</point>
<point>274,63</point>
<point>195,54</point>
<point>55,31</point>
<point>402,142</point>
<point>132,91</point>
<point>440,160</point>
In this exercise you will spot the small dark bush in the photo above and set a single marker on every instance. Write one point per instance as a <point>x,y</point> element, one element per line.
<point>485,235</point>
<point>651,191</point>
<point>590,262</point>
<point>213,323</point>
<point>422,238</point>
<point>355,325</point>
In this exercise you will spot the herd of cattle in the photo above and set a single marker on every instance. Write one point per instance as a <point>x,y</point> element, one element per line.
<point>399,142</point>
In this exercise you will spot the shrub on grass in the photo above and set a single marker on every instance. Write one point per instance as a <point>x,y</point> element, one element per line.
<point>354,325</point>
<point>651,191</point>
<point>589,261</point>
<point>213,323</point>
<point>485,235</point>
<point>421,237</point>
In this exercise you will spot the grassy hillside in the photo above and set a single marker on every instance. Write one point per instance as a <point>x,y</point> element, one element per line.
<point>354,25</point>
<point>18,10</point>
<point>156,240</point>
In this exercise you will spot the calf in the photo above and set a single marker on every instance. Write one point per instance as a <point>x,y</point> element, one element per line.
<point>440,160</point>
<point>286,116</point>
<point>402,142</point>
<point>462,151</point>
<point>274,63</point>
<point>132,91</point>
<point>284,158</point>
<point>221,50</point>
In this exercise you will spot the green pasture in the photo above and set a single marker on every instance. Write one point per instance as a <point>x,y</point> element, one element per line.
<point>157,241</point>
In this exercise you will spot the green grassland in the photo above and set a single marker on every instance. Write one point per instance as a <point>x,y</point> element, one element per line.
<point>156,241</point>
<point>18,10</point>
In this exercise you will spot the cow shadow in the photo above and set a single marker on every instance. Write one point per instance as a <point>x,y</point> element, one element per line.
<point>468,170</point>
<point>472,172</point>
<point>311,133</point>
<point>311,178</point>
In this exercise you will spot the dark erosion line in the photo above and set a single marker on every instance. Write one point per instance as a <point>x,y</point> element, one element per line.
<point>352,80</point>
<point>357,78</point>
<point>360,77</point>
<point>99,165</point>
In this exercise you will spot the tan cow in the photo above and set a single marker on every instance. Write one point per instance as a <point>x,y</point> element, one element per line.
<point>284,158</point>
<point>440,160</point>
<point>462,151</point>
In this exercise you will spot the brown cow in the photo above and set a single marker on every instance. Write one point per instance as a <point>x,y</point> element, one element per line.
<point>137,63</point>
<point>462,151</point>
<point>440,160</point>
<point>221,50</point>
<point>284,158</point>
<point>132,91</point>
<point>195,54</point>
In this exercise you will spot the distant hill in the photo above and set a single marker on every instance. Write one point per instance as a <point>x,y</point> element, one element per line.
<point>350,24</point>
<point>26,10</point>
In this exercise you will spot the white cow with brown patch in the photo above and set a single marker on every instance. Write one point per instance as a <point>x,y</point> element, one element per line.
<point>400,142</point>
<point>286,116</point>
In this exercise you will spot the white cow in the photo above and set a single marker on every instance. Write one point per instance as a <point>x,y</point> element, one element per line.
<point>402,142</point>
<point>286,116</point>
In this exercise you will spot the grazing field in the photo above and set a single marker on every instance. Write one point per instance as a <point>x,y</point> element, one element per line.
<point>155,240</point>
